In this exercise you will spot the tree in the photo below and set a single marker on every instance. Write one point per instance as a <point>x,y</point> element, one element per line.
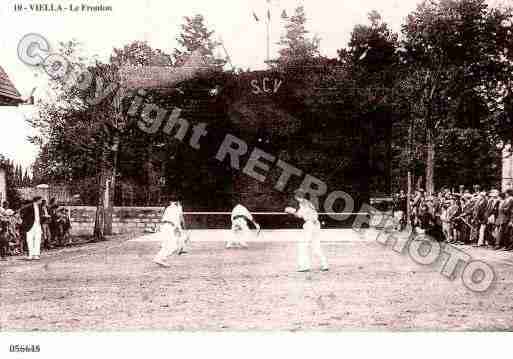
<point>455,48</point>
<point>84,129</point>
<point>373,67</point>
<point>27,181</point>
<point>139,53</point>
<point>13,196</point>
<point>295,43</point>
<point>196,38</point>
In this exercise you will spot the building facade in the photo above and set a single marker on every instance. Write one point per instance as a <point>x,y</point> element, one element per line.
<point>9,96</point>
<point>3,185</point>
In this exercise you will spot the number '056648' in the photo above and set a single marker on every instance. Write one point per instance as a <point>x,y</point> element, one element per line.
<point>24,348</point>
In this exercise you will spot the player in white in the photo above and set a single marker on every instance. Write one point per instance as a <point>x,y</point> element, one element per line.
<point>310,242</point>
<point>241,218</point>
<point>172,234</point>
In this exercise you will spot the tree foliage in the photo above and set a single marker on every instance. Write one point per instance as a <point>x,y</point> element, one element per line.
<point>295,44</point>
<point>13,180</point>
<point>448,75</point>
<point>196,37</point>
<point>457,50</point>
<point>139,53</point>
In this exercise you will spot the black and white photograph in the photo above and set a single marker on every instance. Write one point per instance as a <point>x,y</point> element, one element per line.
<point>239,167</point>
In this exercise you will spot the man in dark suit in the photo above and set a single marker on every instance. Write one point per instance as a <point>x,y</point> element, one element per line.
<point>509,246</point>
<point>31,227</point>
<point>503,220</point>
<point>492,211</point>
<point>453,212</point>
<point>480,220</point>
<point>467,209</point>
<point>46,237</point>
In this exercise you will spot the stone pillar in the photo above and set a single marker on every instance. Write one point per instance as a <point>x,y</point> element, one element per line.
<point>3,186</point>
<point>507,168</point>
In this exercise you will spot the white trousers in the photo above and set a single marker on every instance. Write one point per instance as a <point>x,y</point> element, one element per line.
<point>446,229</point>
<point>482,231</point>
<point>240,233</point>
<point>171,240</point>
<point>398,216</point>
<point>309,244</point>
<point>34,240</point>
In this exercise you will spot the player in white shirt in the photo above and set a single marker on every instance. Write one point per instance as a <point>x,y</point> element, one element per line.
<point>310,242</point>
<point>241,218</point>
<point>172,235</point>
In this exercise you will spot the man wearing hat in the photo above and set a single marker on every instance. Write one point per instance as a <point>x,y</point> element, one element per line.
<point>467,209</point>
<point>418,201</point>
<point>509,247</point>
<point>311,228</point>
<point>492,210</point>
<point>503,220</point>
<point>5,220</point>
<point>453,212</point>
<point>473,218</point>
<point>480,219</point>
<point>31,226</point>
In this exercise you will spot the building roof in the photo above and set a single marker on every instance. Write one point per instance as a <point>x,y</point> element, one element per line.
<point>8,93</point>
<point>136,77</point>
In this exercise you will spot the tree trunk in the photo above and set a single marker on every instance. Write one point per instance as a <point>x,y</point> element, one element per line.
<point>107,204</point>
<point>111,187</point>
<point>388,157</point>
<point>100,207</point>
<point>430,163</point>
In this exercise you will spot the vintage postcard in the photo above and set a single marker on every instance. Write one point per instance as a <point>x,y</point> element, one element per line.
<point>241,166</point>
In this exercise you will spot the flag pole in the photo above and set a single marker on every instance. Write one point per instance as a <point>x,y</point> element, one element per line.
<point>268,31</point>
<point>227,54</point>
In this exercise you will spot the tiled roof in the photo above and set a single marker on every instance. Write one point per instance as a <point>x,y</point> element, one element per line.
<point>134,77</point>
<point>8,93</point>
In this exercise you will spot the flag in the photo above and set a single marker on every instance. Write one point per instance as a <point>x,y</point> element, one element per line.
<point>364,55</point>
<point>284,15</point>
<point>255,16</point>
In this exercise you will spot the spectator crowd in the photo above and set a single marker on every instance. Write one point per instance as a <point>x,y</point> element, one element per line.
<point>52,222</point>
<point>478,217</point>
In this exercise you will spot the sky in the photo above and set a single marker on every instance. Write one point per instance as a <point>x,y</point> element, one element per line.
<point>158,22</point>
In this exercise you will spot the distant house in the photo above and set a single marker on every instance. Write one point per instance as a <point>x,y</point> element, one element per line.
<point>9,95</point>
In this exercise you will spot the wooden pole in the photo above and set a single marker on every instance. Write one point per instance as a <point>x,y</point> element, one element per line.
<point>268,58</point>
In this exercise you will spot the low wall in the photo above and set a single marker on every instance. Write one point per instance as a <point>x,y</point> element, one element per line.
<point>125,219</point>
<point>137,219</point>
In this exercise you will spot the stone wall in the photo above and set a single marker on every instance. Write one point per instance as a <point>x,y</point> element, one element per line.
<point>125,219</point>
<point>137,219</point>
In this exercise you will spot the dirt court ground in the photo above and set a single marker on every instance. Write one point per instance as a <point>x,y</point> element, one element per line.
<point>113,285</point>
